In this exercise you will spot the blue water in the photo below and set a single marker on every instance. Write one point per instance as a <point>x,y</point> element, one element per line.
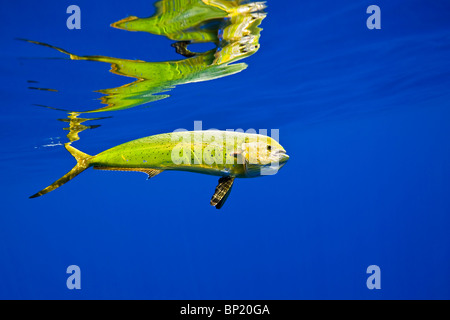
<point>364,115</point>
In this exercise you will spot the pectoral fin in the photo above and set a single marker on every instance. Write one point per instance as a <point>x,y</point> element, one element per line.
<point>181,48</point>
<point>222,192</point>
<point>150,172</point>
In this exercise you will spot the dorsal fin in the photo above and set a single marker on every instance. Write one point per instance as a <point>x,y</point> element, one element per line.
<point>222,192</point>
<point>150,172</point>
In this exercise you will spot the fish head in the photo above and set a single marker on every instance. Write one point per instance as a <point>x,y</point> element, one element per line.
<point>262,155</point>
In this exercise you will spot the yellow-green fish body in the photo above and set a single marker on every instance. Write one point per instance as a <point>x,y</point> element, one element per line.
<point>221,153</point>
<point>211,152</point>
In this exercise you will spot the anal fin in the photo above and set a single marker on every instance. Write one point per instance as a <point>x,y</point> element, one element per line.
<point>222,192</point>
<point>150,172</point>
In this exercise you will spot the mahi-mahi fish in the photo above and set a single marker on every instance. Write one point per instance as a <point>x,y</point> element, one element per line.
<point>226,154</point>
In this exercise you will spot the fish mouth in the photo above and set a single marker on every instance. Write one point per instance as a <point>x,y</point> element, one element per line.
<point>282,156</point>
<point>279,159</point>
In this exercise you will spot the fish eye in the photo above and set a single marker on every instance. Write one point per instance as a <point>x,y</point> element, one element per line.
<point>269,147</point>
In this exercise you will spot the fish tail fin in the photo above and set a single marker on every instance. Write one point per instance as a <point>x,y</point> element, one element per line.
<point>83,162</point>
